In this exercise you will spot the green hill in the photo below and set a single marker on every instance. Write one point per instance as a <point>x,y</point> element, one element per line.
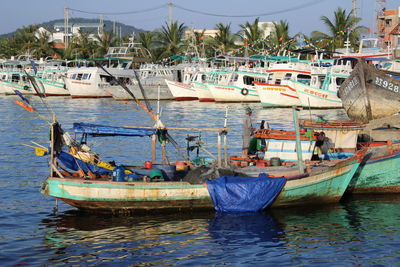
<point>108,26</point>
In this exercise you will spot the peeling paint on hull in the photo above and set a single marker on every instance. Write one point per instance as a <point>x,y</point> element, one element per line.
<point>326,186</point>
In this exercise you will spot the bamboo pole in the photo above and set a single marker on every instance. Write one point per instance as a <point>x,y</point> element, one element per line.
<point>153,148</point>
<point>225,150</point>
<point>183,129</point>
<point>219,150</point>
<point>298,142</point>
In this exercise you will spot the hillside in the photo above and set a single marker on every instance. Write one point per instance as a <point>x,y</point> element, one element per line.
<point>125,29</point>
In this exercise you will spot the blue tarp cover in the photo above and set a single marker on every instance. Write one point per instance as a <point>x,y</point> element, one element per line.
<point>102,130</point>
<point>75,164</point>
<point>243,194</point>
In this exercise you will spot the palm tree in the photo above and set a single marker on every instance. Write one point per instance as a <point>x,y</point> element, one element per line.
<point>170,38</point>
<point>281,33</point>
<point>343,24</point>
<point>224,39</point>
<point>104,42</point>
<point>43,46</point>
<point>147,40</point>
<point>25,38</point>
<point>251,32</point>
<point>81,46</point>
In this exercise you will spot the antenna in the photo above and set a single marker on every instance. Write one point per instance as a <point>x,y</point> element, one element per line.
<point>66,20</point>
<point>354,8</point>
<point>170,5</point>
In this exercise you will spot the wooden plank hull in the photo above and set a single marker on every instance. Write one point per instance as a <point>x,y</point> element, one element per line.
<point>369,94</point>
<point>128,197</point>
<point>380,174</point>
<point>326,186</point>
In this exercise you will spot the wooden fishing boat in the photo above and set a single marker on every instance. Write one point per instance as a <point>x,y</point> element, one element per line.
<point>378,172</point>
<point>324,183</point>
<point>369,93</point>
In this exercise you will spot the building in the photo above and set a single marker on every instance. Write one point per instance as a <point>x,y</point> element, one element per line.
<point>388,28</point>
<point>74,28</point>
<point>207,33</point>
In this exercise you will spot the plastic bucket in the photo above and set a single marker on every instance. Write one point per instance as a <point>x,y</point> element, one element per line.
<point>148,164</point>
<point>181,166</point>
<point>119,174</point>
<point>275,161</point>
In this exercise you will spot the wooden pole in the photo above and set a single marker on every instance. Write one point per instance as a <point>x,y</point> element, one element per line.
<point>219,150</point>
<point>298,142</point>
<point>225,150</point>
<point>163,153</point>
<point>153,148</point>
<point>52,146</point>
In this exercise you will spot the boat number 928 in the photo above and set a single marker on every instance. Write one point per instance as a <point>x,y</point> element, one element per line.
<point>387,85</point>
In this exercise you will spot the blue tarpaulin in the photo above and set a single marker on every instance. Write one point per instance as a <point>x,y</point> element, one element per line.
<point>102,130</point>
<point>243,194</point>
<point>75,164</point>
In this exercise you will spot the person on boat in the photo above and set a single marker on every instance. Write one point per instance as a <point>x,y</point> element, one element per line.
<point>247,132</point>
<point>323,145</point>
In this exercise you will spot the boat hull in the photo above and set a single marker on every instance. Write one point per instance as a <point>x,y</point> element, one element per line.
<point>128,197</point>
<point>276,95</point>
<point>325,187</point>
<point>369,93</point>
<point>379,174</point>
<point>315,97</point>
<point>181,91</point>
<point>203,93</point>
<point>232,93</point>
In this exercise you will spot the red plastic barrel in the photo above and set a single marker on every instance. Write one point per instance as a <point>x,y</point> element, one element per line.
<point>148,164</point>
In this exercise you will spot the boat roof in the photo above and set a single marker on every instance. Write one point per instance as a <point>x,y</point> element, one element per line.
<point>104,130</point>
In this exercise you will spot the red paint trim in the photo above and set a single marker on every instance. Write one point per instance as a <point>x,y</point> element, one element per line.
<point>290,95</point>
<point>185,98</point>
<point>206,99</point>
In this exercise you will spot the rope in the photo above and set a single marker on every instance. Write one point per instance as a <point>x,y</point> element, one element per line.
<point>118,13</point>
<point>310,3</point>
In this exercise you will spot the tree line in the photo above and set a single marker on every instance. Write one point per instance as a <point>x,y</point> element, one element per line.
<point>170,40</point>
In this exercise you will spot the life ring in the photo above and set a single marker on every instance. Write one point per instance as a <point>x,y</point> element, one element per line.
<point>26,87</point>
<point>245,91</point>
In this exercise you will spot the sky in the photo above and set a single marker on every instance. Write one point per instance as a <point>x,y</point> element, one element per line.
<point>302,15</point>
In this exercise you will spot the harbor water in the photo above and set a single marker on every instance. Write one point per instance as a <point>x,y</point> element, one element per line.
<point>357,231</point>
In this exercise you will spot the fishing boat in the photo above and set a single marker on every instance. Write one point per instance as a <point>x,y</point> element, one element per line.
<point>181,85</point>
<point>322,91</point>
<point>275,92</point>
<point>369,93</point>
<point>378,172</point>
<point>237,86</point>
<point>200,84</point>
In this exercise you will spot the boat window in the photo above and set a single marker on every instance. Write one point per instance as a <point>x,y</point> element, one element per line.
<point>73,76</point>
<point>287,76</point>
<point>85,76</point>
<point>339,80</point>
<point>278,81</point>
<point>79,76</point>
<point>305,79</point>
<point>248,80</point>
<point>234,77</point>
<point>270,78</point>
<point>261,80</point>
<point>203,78</point>
<point>15,78</point>
<point>105,78</point>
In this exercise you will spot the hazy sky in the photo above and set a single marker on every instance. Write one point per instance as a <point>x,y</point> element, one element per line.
<point>17,13</point>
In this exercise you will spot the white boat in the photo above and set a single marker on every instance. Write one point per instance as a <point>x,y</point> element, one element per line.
<point>276,92</point>
<point>237,86</point>
<point>182,91</point>
<point>200,84</point>
<point>322,92</point>
<point>94,82</point>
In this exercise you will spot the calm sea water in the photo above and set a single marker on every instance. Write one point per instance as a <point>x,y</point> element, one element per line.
<point>358,231</point>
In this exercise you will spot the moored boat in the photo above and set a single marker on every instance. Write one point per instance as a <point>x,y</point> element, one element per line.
<point>370,93</point>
